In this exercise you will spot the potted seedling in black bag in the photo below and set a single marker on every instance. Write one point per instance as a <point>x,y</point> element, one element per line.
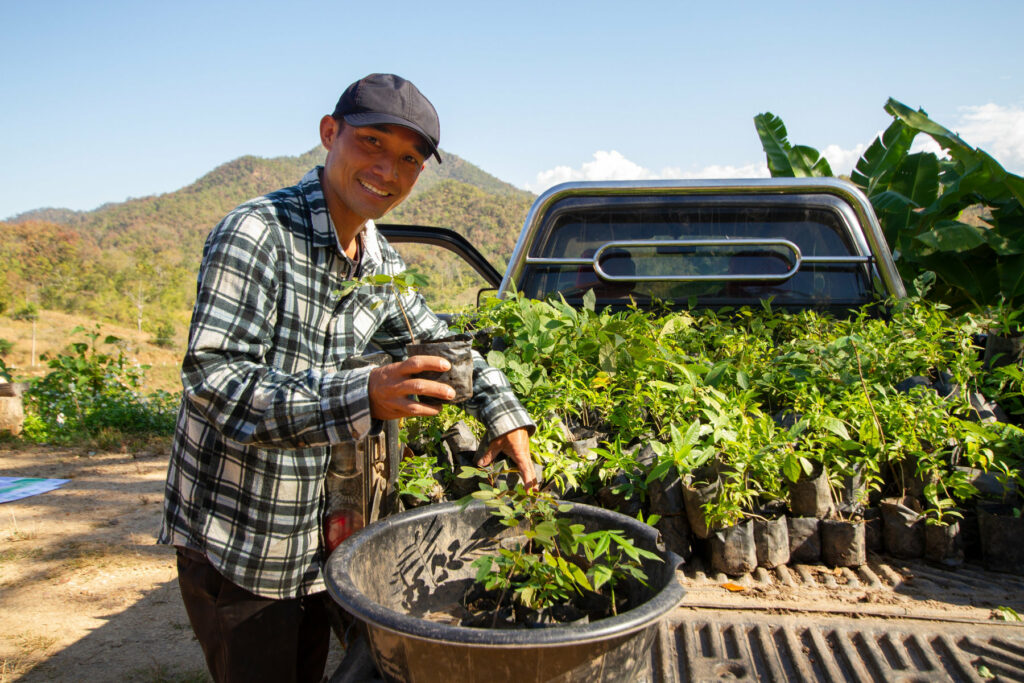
<point>456,349</point>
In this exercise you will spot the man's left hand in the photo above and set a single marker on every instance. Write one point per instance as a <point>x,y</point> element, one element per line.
<point>516,445</point>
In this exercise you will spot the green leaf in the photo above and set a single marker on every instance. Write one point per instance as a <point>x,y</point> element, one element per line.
<point>953,236</point>
<point>714,376</point>
<point>919,121</point>
<point>484,561</point>
<point>601,574</point>
<point>835,426</point>
<point>1011,278</point>
<point>496,359</point>
<point>590,300</point>
<point>692,433</point>
<point>791,467</point>
<point>876,166</point>
<point>579,577</point>
<point>660,470</point>
<point>917,178</point>
<point>648,555</point>
<point>546,530</point>
<point>772,132</point>
<point>808,163</point>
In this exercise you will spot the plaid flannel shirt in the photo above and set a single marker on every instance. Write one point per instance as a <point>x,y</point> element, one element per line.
<point>264,396</point>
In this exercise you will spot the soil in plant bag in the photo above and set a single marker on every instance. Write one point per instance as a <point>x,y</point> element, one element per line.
<point>902,528</point>
<point>771,541</point>
<point>694,498</point>
<point>733,550</point>
<point>666,497</point>
<point>843,543</point>
<point>904,480</point>
<point>1001,350</point>
<point>873,529</point>
<point>970,534</point>
<point>942,544</point>
<point>804,539</point>
<point>854,491</point>
<point>1002,542</point>
<point>810,495</point>
<point>457,350</point>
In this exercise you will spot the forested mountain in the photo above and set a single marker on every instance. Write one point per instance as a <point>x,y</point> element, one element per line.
<point>135,261</point>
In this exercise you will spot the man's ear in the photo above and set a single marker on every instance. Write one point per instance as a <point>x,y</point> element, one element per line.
<point>328,131</point>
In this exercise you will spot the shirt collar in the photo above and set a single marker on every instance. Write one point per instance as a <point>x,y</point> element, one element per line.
<point>324,234</point>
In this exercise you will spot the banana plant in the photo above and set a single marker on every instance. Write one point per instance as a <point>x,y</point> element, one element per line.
<point>960,216</point>
<point>786,160</point>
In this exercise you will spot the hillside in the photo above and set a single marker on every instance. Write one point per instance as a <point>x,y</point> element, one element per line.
<point>134,262</point>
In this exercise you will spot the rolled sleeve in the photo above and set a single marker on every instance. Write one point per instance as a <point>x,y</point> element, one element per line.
<point>494,403</point>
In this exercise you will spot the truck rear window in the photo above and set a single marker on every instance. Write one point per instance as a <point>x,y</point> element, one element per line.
<point>692,249</point>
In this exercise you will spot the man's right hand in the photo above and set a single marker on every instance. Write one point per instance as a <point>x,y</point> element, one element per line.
<point>393,387</point>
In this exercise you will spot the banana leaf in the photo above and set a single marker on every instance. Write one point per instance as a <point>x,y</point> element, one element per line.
<point>772,132</point>
<point>1011,279</point>
<point>807,162</point>
<point>953,236</point>
<point>882,157</point>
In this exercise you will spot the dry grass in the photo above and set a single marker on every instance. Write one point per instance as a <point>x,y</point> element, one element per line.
<point>53,334</point>
<point>12,668</point>
<point>161,673</point>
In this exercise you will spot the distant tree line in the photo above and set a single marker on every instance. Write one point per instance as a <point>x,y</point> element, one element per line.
<point>135,262</point>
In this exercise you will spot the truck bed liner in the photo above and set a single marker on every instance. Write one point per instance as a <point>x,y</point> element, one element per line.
<point>889,620</point>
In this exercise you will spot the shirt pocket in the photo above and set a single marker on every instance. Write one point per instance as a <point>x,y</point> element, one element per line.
<point>358,319</point>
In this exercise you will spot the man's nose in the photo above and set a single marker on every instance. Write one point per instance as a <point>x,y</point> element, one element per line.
<point>388,168</point>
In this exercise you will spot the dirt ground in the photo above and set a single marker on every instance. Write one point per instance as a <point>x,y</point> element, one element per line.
<point>85,592</point>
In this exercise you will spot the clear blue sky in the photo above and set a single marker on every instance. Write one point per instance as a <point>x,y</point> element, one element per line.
<point>107,100</point>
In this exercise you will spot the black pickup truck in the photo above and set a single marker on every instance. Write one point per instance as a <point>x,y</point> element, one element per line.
<point>803,243</point>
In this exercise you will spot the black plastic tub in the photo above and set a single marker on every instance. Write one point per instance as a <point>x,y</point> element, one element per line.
<point>395,571</point>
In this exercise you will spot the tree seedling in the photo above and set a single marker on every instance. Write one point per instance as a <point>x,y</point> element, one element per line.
<point>401,284</point>
<point>558,560</point>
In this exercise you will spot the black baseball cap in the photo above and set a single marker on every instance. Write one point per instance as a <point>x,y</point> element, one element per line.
<point>387,98</point>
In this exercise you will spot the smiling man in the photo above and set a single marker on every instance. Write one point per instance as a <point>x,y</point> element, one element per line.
<point>266,399</point>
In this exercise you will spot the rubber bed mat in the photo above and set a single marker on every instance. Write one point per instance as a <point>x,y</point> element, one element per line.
<point>887,621</point>
<point>698,646</point>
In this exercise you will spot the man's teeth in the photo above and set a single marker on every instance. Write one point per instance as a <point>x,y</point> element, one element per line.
<point>376,191</point>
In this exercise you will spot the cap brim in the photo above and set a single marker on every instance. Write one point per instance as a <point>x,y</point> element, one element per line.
<point>371,118</point>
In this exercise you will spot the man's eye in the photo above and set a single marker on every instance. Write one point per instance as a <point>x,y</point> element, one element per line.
<point>413,160</point>
<point>371,139</point>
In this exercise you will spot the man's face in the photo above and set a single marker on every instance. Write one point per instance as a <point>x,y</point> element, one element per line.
<point>369,170</point>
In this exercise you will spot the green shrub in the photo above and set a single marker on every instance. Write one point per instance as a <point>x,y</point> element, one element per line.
<point>27,313</point>
<point>94,396</point>
<point>164,335</point>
